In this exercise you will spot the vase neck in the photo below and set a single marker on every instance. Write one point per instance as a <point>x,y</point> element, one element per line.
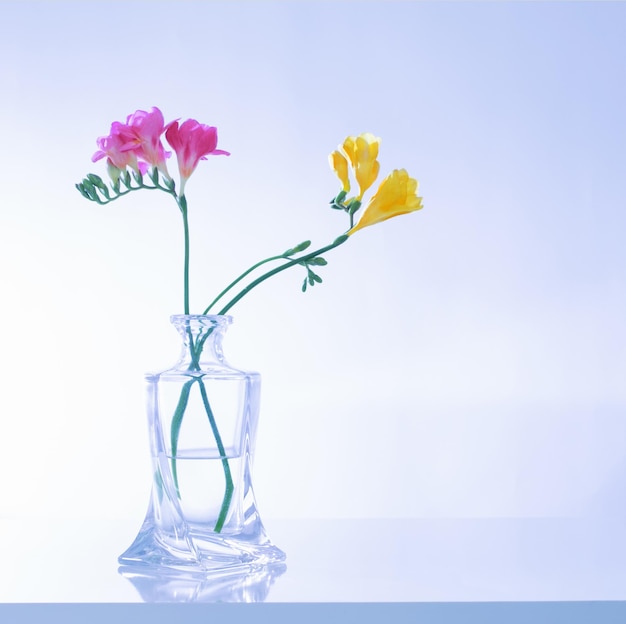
<point>202,339</point>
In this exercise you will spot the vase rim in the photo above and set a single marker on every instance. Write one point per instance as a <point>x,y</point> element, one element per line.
<point>209,319</point>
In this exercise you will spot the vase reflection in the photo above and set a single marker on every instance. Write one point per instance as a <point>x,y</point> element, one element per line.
<point>245,584</point>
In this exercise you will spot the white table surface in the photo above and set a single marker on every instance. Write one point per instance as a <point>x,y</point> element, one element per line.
<point>361,560</point>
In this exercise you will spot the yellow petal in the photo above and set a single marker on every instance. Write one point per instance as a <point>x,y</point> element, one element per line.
<point>366,175</point>
<point>396,195</point>
<point>362,152</point>
<point>340,166</point>
<point>349,148</point>
<point>367,146</point>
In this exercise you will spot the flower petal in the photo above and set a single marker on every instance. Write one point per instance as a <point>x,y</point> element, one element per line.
<point>339,164</point>
<point>362,152</point>
<point>396,195</point>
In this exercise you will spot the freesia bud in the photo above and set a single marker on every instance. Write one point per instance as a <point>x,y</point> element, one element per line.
<point>83,192</point>
<point>396,195</point>
<point>339,164</point>
<point>114,172</point>
<point>298,248</point>
<point>362,152</point>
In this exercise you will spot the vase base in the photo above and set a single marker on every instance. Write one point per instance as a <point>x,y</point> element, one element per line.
<point>188,550</point>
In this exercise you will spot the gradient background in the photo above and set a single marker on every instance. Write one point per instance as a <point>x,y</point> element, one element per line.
<point>467,360</point>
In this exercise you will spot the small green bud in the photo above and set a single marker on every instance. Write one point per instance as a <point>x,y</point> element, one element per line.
<point>302,246</point>
<point>126,179</point>
<point>88,187</point>
<point>341,239</point>
<point>138,177</point>
<point>154,175</point>
<point>96,181</point>
<point>114,172</point>
<point>298,248</point>
<point>82,191</point>
<point>304,284</point>
<point>319,261</point>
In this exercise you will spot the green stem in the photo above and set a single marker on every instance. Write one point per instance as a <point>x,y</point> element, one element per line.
<point>235,282</point>
<point>339,241</point>
<point>220,447</point>
<point>195,351</point>
<point>177,421</point>
<point>182,203</point>
<point>181,407</point>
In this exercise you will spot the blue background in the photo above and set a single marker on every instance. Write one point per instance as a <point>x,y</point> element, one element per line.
<point>464,361</point>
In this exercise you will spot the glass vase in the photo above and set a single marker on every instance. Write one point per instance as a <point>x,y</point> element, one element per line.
<point>202,420</point>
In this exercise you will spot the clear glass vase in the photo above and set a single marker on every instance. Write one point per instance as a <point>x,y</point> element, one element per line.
<point>202,419</point>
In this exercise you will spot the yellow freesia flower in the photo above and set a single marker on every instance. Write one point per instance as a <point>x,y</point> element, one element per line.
<point>340,166</point>
<point>396,195</point>
<point>361,152</point>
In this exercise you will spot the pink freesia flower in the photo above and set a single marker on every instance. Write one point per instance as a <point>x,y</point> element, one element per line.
<point>118,148</point>
<point>145,130</point>
<point>136,144</point>
<point>192,142</point>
